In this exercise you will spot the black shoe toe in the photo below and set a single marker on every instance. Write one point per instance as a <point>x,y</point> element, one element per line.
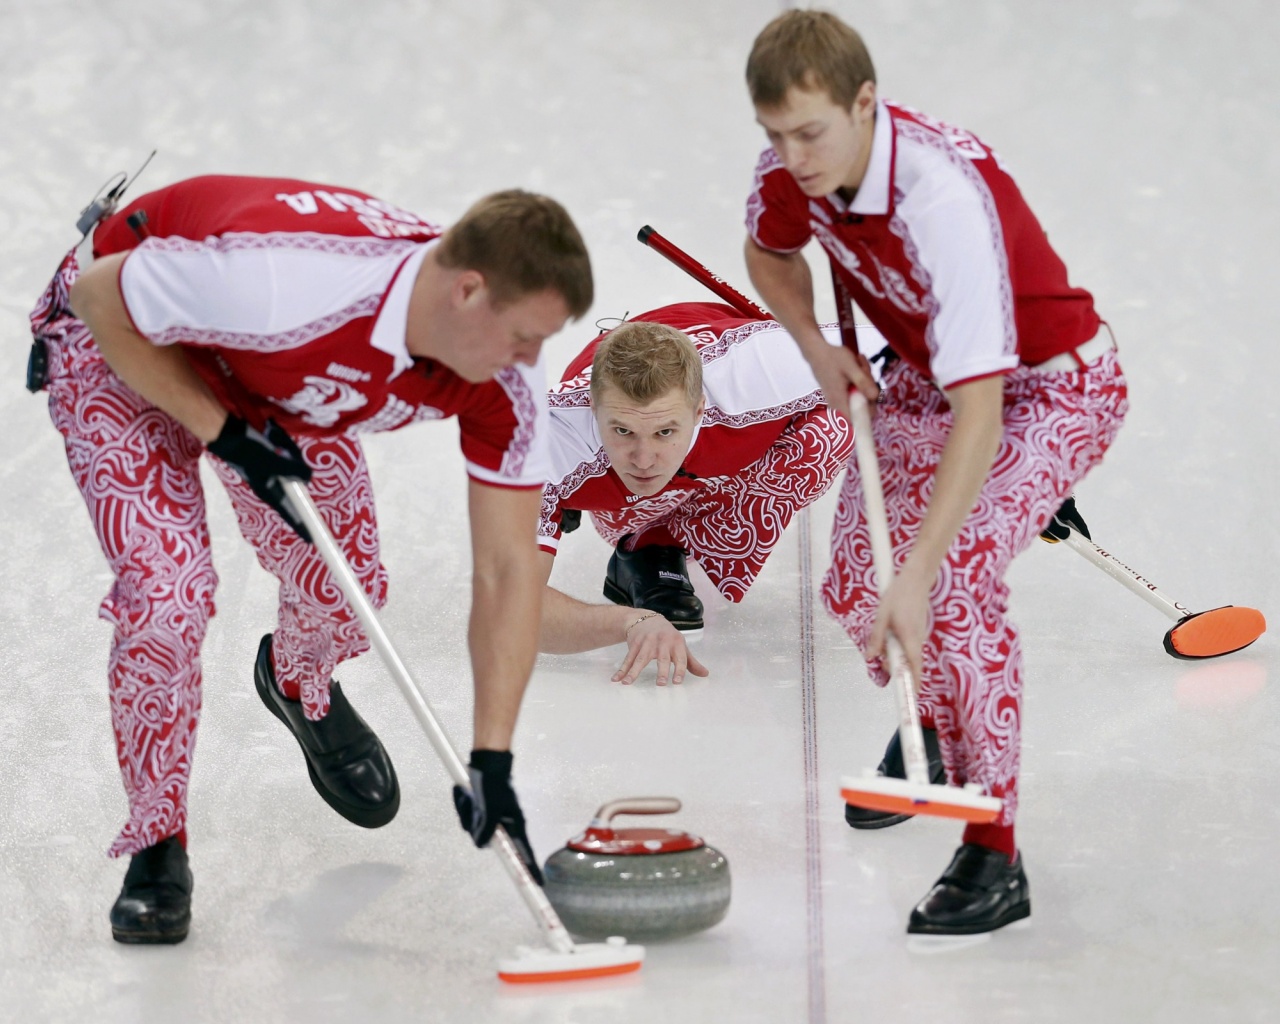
<point>154,905</point>
<point>865,818</point>
<point>979,892</point>
<point>893,767</point>
<point>348,765</point>
<point>655,578</point>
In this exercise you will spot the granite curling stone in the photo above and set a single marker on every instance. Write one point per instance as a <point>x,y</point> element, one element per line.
<point>644,883</point>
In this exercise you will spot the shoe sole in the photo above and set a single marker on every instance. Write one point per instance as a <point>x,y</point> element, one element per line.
<point>933,945</point>
<point>1019,913</point>
<point>615,595</point>
<point>171,938</point>
<point>362,816</point>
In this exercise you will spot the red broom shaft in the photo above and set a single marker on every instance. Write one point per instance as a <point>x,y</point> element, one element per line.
<point>698,272</point>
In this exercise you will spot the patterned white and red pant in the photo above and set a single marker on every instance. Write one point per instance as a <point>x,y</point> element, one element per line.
<point>138,470</point>
<point>731,524</point>
<point>1056,427</point>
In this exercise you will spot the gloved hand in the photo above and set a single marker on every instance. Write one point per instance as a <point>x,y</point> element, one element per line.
<point>1063,521</point>
<point>262,458</point>
<point>492,802</point>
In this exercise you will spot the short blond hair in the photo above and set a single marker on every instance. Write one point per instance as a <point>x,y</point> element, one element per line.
<point>644,361</point>
<point>809,50</point>
<point>523,244</point>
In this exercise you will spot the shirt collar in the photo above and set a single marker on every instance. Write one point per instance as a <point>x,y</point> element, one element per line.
<point>390,329</point>
<point>872,196</point>
<point>693,441</point>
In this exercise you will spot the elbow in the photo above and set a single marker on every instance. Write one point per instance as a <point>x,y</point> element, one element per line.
<point>80,297</point>
<point>758,265</point>
<point>755,255</point>
<point>91,293</point>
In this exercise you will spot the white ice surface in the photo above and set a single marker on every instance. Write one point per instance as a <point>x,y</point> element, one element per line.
<point>1146,134</point>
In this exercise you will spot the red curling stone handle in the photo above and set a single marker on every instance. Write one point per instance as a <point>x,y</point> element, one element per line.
<point>634,805</point>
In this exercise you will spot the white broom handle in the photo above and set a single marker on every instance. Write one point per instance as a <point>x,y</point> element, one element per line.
<point>1117,570</point>
<point>300,500</point>
<point>914,758</point>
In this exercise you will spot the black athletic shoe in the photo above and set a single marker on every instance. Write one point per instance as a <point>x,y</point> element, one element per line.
<point>346,761</point>
<point>154,905</point>
<point>979,892</point>
<point>893,767</point>
<point>656,579</point>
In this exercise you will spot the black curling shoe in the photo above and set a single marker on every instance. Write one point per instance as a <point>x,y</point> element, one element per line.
<point>893,767</point>
<point>656,579</point>
<point>348,765</point>
<point>154,905</point>
<point>979,892</point>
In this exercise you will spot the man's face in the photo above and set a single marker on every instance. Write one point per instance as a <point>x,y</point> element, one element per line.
<point>646,443</point>
<point>825,146</point>
<point>484,339</point>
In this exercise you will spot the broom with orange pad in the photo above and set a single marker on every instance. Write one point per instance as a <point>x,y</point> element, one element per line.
<point>561,959</point>
<point>1194,635</point>
<point>914,794</point>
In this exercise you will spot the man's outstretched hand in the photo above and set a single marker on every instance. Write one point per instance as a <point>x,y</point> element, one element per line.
<point>652,638</point>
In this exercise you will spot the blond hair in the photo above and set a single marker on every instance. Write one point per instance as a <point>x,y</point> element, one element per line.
<point>807,50</point>
<point>523,244</point>
<point>645,361</point>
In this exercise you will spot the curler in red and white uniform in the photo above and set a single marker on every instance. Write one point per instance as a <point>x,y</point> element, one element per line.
<point>272,321</point>
<point>1006,391</point>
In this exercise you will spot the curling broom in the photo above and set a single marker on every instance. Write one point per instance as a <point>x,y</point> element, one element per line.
<point>563,960</point>
<point>1194,635</point>
<point>914,794</point>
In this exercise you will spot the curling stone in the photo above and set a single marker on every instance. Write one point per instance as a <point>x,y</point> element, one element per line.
<point>643,883</point>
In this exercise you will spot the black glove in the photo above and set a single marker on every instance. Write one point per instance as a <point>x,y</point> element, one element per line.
<point>1063,522</point>
<point>492,802</point>
<point>262,458</point>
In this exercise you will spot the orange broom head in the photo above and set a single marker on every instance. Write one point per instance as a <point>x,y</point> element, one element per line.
<point>898,796</point>
<point>587,960</point>
<point>1214,633</point>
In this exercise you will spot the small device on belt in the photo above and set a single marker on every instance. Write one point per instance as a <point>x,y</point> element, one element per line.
<point>37,366</point>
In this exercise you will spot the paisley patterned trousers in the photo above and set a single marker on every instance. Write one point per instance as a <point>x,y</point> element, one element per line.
<point>1056,427</point>
<point>730,524</point>
<point>138,470</point>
